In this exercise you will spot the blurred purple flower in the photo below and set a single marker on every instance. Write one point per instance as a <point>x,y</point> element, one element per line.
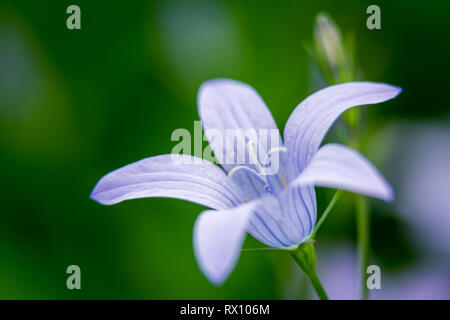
<point>338,269</point>
<point>277,209</point>
<point>423,163</point>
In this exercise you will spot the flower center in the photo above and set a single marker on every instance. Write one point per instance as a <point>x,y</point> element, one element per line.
<point>260,172</point>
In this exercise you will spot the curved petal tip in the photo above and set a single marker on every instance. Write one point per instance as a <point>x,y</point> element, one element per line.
<point>218,238</point>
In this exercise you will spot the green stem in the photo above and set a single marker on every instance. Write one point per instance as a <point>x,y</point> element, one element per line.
<point>305,256</point>
<point>362,221</point>
<point>318,286</point>
<point>362,230</point>
<point>324,215</point>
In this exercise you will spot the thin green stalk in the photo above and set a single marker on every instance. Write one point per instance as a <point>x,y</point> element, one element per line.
<point>318,286</point>
<point>324,215</point>
<point>363,234</point>
<point>305,256</point>
<point>362,230</point>
<point>261,249</point>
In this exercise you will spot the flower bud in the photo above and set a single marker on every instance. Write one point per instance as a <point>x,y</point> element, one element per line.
<point>328,40</point>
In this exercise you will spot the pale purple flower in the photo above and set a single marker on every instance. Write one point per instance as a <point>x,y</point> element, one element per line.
<point>278,209</point>
<point>423,280</point>
<point>424,184</point>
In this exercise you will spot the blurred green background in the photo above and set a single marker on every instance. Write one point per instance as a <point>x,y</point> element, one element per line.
<point>76,104</point>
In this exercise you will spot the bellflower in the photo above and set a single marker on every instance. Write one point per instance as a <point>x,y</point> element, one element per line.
<point>278,209</point>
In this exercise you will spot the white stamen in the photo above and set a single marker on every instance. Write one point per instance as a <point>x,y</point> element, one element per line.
<point>254,158</point>
<point>237,168</point>
<point>277,149</point>
<point>260,172</point>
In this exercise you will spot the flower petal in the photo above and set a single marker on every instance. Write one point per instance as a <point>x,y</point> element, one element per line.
<point>233,114</point>
<point>218,238</point>
<point>284,220</point>
<point>174,176</point>
<point>312,118</point>
<point>228,104</point>
<point>341,167</point>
